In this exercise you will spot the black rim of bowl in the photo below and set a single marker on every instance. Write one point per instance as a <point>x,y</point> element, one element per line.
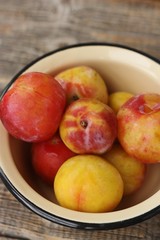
<point>42,212</point>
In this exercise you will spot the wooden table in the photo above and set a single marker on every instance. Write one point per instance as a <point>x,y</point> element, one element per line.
<point>29,29</point>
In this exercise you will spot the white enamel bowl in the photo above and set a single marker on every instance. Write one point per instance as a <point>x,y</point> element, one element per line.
<point>124,69</point>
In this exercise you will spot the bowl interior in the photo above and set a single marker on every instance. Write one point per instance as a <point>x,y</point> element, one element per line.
<point>122,69</point>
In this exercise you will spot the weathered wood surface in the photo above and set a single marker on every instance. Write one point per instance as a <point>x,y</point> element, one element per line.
<point>29,29</point>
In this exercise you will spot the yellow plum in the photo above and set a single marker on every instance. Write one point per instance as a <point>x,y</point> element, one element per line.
<point>139,127</point>
<point>83,82</point>
<point>88,183</point>
<point>131,170</point>
<point>117,99</point>
<point>88,126</point>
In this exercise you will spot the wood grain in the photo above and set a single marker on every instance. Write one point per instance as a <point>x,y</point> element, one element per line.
<point>29,29</point>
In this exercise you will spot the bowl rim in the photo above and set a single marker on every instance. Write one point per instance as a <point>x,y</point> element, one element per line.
<point>85,44</point>
<point>49,216</point>
<point>71,223</point>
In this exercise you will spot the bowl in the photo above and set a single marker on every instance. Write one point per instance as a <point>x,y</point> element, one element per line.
<point>124,69</point>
